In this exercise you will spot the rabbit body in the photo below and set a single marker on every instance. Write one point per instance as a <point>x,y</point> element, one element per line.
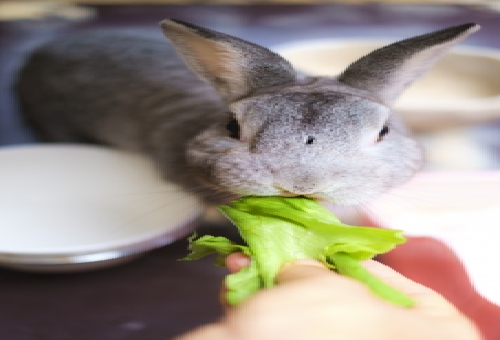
<point>123,88</point>
<point>250,126</point>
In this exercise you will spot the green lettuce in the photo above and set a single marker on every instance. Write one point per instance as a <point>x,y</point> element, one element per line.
<point>277,230</point>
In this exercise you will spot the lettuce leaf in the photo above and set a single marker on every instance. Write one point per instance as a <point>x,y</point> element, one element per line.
<point>277,230</point>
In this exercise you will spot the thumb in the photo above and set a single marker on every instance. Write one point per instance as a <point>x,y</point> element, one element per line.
<point>301,269</point>
<point>427,299</point>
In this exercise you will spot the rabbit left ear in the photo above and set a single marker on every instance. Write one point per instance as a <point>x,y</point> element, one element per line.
<point>233,66</point>
<point>386,72</point>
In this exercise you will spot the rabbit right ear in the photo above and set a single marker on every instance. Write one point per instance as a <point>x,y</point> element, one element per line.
<point>386,72</point>
<point>233,66</point>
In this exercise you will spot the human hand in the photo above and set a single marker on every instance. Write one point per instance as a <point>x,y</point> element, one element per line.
<point>312,302</point>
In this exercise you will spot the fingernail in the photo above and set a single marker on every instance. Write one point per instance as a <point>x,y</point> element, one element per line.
<point>303,262</point>
<point>369,264</point>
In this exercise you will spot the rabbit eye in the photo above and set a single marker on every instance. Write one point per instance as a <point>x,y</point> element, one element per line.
<point>382,133</point>
<point>309,140</point>
<point>234,128</point>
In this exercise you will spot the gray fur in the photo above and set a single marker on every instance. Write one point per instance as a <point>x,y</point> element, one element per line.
<point>313,136</point>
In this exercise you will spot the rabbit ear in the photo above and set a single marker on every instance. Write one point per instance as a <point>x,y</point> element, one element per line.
<point>386,72</point>
<point>233,66</point>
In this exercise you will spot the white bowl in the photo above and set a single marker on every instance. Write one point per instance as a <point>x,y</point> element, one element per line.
<point>463,87</point>
<point>68,207</point>
<point>460,209</point>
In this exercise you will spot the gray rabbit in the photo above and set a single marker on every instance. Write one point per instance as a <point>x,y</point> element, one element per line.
<point>253,126</point>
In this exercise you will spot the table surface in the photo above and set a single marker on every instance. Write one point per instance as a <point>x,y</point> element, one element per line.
<point>154,296</point>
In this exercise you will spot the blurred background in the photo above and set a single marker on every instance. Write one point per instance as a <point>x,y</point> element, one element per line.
<point>454,112</point>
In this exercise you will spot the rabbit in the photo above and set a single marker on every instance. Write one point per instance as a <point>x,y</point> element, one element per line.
<point>228,116</point>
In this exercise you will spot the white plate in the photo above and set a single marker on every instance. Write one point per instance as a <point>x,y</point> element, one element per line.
<point>68,207</point>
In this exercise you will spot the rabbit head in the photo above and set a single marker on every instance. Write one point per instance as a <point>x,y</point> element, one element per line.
<point>329,138</point>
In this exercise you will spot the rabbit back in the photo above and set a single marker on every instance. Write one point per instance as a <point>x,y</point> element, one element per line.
<point>114,87</point>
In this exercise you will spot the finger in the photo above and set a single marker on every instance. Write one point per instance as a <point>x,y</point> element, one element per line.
<point>425,297</point>
<point>318,284</point>
<point>235,261</point>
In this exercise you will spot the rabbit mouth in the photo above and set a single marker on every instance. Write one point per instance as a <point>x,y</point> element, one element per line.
<point>286,193</point>
<point>314,196</point>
